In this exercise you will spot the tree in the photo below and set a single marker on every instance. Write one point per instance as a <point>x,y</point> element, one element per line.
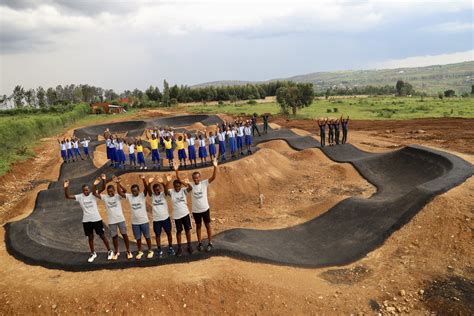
<point>18,95</point>
<point>110,94</point>
<point>449,93</point>
<point>30,97</point>
<point>403,88</point>
<point>166,94</point>
<point>295,96</point>
<point>41,96</point>
<point>472,89</point>
<point>51,96</point>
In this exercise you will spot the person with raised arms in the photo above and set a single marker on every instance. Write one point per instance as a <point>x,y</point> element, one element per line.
<point>200,205</point>
<point>91,220</point>
<point>113,207</point>
<point>140,225</point>
<point>160,211</point>
<point>154,142</point>
<point>248,137</point>
<point>169,150</point>
<point>62,146</point>
<point>191,140</point>
<point>181,211</point>
<point>240,137</point>
<point>85,146</point>
<point>221,133</point>
<point>181,150</point>
<point>322,130</point>
<point>344,123</point>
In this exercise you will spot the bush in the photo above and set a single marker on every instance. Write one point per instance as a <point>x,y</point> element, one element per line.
<point>328,110</point>
<point>335,110</point>
<point>252,102</point>
<point>18,134</point>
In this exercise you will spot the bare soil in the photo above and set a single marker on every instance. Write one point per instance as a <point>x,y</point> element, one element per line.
<point>425,266</point>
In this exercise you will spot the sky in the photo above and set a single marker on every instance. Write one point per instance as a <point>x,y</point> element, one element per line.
<point>134,44</point>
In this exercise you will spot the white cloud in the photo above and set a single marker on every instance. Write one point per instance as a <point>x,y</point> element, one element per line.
<point>450,27</point>
<point>427,60</point>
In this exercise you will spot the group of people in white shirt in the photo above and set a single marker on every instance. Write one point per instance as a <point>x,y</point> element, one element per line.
<point>69,149</point>
<point>158,189</point>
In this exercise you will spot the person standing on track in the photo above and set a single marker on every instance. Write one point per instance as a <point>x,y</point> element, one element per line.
<point>254,125</point>
<point>266,117</point>
<point>155,155</point>
<point>85,147</point>
<point>336,130</point>
<point>322,131</point>
<point>344,124</point>
<point>200,205</point>
<point>140,224</point>
<point>113,206</point>
<point>91,220</point>
<point>331,132</point>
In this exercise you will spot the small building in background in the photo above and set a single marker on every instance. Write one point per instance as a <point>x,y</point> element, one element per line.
<point>106,108</point>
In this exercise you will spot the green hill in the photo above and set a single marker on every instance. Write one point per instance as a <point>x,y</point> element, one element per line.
<point>430,79</point>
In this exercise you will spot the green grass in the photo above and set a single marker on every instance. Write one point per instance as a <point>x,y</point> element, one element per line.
<point>370,108</point>
<point>20,133</point>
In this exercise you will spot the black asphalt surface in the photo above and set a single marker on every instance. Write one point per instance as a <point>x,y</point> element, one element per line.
<point>406,180</point>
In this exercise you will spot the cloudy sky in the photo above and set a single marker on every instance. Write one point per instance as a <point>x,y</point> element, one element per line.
<point>127,44</point>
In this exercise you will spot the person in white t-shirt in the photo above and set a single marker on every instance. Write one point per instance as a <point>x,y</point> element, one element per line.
<point>200,205</point>
<point>85,146</point>
<point>91,220</point>
<point>113,206</point>
<point>181,211</point>
<point>160,211</point>
<point>140,225</point>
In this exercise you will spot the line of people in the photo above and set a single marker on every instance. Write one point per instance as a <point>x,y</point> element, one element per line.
<point>334,126</point>
<point>69,149</point>
<point>158,189</point>
<point>228,139</point>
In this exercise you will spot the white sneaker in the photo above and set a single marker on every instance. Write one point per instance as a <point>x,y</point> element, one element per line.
<point>116,255</point>
<point>129,255</point>
<point>139,255</point>
<point>145,168</point>
<point>92,257</point>
<point>110,255</point>
<point>150,254</point>
<point>141,168</point>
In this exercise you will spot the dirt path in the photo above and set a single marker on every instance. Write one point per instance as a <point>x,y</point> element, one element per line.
<point>426,265</point>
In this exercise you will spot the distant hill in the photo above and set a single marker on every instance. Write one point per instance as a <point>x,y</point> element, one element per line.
<point>430,79</point>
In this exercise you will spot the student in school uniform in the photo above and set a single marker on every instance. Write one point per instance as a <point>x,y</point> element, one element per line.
<point>161,135</point>
<point>191,140</point>
<point>231,136</point>
<point>181,212</point>
<point>155,155</point>
<point>200,205</point>
<point>181,150</point>
<point>113,206</point>
<point>240,137</point>
<point>131,154</point>
<point>62,149</point>
<point>120,153</point>
<point>85,146</point>
<point>141,155</point>
<point>211,139</point>
<point>140,223</point>
<point>77,152</point>
<point>160,211</point>
<point>221,133</point>
<point>202,151</point>
<point>91,220</point>
<point>248,137</point>
<point>113,151</point>
<point>116,152</point>
<point>169,150</point>
<point>70,154</point>
<point>108,141</point>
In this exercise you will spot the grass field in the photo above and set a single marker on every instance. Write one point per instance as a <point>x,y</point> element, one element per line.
<point>20,133</point>
<point>370,108</point>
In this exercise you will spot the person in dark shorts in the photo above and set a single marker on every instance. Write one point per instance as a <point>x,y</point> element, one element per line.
<point>160,212</point>
<point>344,124</point>
<point>254,125</point>
<point>181,211</point>
<point>266,117</point>
<point>322,131</point>
<point>200,205</point>
<point>91,220</point>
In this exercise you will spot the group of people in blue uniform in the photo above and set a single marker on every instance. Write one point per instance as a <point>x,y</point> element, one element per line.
<point>334,127</point>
